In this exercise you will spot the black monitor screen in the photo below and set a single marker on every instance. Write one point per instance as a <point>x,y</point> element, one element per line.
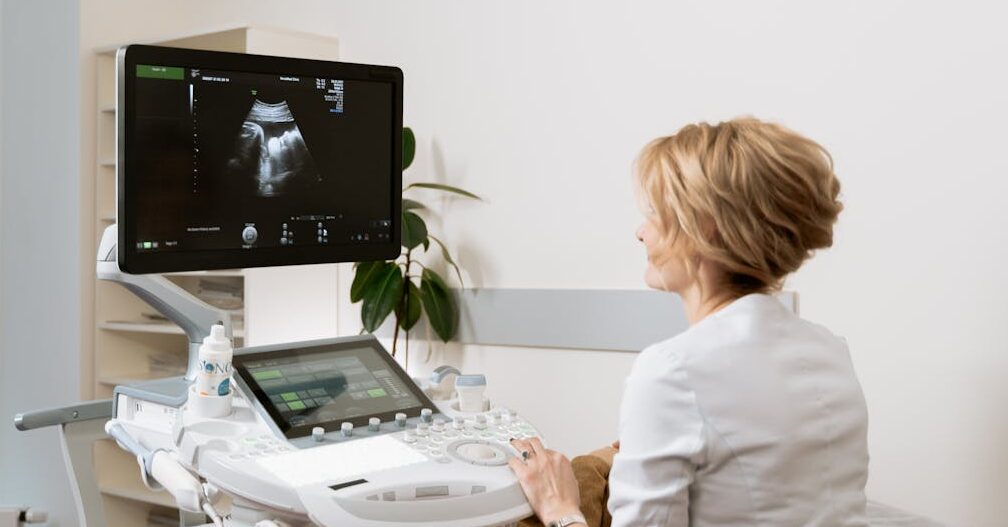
<point>231,160</point>
<point>327,384</point>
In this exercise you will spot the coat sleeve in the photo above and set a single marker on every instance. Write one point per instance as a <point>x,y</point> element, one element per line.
<point>661,445</point>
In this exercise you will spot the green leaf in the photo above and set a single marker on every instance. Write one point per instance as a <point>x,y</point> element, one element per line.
<point>366,271</point>
<point>440,305</point>
<point>448,258</point>
<point>408,317</point>
<point>408,147</point>
<point>408,204</point>
<point>414,230</point>
<point>446,188</point>
<point>381,296</point>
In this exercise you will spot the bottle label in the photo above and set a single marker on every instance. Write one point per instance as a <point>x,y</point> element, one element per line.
<point>215,368</point>
<point>214,378</point>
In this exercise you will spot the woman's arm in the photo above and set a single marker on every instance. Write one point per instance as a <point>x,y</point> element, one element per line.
<point>661,444</point>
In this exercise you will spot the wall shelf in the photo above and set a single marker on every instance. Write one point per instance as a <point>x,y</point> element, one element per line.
<point>140,493</point>
<point>115,380</point>
<point>163,328</point>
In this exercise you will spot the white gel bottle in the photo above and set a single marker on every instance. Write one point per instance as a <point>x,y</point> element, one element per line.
<point>212,389</point>
<point>470,389</point>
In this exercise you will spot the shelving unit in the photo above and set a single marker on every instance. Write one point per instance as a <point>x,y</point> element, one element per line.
<point>132,343</point>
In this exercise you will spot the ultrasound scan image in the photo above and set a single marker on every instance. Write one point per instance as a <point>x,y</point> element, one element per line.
<point>270,152</point>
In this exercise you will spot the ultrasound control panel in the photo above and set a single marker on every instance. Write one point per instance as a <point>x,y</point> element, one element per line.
<point>335,431</point>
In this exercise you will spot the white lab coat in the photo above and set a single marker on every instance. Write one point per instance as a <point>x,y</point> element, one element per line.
<point>753,416</point>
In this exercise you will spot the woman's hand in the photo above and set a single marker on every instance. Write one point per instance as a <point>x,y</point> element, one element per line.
<point>548,480</point>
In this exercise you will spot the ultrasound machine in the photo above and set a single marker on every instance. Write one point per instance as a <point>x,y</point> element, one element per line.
<point>235,161</point>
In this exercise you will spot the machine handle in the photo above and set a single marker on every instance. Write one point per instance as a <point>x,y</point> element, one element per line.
<point>60,416</point>
<point>507,501</point>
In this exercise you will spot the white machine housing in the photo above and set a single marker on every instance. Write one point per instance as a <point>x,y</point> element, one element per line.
<point>440,468</point>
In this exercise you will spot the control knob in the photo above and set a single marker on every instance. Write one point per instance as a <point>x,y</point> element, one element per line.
<point>476,452</point>
<point>346,428</point>
<point>318,434</point>
<point>250,235</point>
<point>373,424</point>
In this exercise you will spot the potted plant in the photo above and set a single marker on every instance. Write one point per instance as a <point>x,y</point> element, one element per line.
<point>395,286</point>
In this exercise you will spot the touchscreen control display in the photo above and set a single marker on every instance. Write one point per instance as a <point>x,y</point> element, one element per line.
<point>326,386</point>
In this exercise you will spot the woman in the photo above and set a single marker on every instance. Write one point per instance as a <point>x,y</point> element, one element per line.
<point>752,416</point>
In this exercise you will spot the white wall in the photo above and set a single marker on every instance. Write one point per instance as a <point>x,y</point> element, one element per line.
<point>39,245</point>
<point>540,107</point>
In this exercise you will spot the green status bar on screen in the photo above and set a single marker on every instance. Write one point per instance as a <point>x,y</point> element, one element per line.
<point>160,72</point>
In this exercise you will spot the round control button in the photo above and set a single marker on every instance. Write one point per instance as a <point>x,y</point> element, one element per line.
<point>250,235</point>
<point>373,424</point>
<point>426,415</point>
<point>477,451</point>
<point>346,428</point>
<point>400,420</point>
<point>318,433</point>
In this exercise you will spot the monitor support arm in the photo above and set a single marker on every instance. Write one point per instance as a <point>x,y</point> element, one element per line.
<point>193,315</point>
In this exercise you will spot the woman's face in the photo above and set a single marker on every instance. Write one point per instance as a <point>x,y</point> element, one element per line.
<point>666,269</point>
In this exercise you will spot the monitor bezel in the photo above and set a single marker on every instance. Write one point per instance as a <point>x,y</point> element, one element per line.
<point>138,262</point>
<point>248,382</point>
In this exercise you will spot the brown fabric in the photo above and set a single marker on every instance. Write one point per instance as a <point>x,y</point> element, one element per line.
<point>592,473</point>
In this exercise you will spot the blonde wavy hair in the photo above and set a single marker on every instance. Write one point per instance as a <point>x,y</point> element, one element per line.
<point>752,198</point>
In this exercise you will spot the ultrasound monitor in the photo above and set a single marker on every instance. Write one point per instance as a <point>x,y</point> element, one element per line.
<point>230,160</point>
